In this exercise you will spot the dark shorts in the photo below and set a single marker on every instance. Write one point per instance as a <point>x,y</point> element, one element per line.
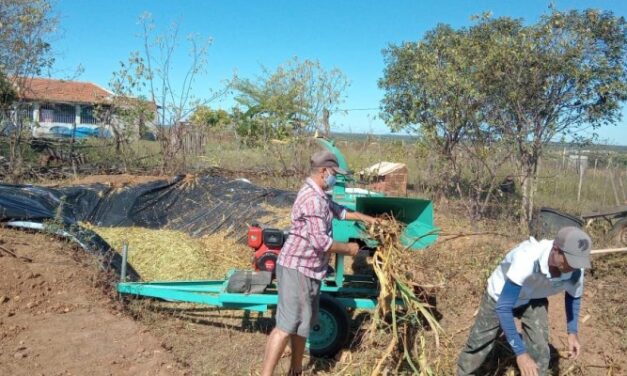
<point>299,298</point>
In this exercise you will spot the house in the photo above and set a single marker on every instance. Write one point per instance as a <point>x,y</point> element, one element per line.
<point>55,106</point>
<point>387,177</point>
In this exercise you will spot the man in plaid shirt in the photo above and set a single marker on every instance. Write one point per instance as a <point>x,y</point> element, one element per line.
<point>303,261</point>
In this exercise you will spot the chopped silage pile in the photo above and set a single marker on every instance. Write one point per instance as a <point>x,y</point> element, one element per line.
<point>171,253</point>
<point>165,255</point>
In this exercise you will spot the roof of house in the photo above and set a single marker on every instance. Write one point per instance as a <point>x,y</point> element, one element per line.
<point>382,168</point>
<point>51,90</point>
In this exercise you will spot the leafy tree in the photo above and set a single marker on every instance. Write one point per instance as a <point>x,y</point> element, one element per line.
<point>431,89</point>
<point>7,95</point>
<point>25,51</point>
<point>292,100</point>
<point>558,77</point>
<point>520,86</point>
<point>211,119</point>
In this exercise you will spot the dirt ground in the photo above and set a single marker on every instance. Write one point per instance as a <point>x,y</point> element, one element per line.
<point>122,179</point>
<point>58,316</point>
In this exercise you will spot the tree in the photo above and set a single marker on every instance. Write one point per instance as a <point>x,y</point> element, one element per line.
<point>7,96</point>
<point>293,100</point>
<point>128,111</point>
<point>558,77</point>
<point>431,88</point>
<point>149,74</point>
<point>25,51</point>
<point>520,86</point>
<point>204,116</point>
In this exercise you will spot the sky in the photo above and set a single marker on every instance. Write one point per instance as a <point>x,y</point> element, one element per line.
<point>249,35</point>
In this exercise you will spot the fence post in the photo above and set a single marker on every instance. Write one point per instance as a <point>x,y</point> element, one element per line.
<point>581,168</point>
<point>124,261</point>
<point>611,175</point>
<point>620,184</point>
<point>594,175</point>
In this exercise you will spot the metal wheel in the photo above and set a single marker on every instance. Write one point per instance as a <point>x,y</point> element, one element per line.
<point>331,331</point>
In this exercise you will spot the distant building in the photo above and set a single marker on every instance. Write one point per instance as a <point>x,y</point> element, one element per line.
<point>387,177</point>
<point>578,161</point>
<point>54,106</point>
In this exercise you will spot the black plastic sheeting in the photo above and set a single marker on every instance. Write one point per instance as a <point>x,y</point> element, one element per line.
<point>198,206</point>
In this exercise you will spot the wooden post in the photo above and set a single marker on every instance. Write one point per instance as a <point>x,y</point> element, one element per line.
<point>611,174</point>
<point>594,175</point>
<point>580,179</point>
<point>607,250</point>
<point>72,157</point>
<point>620,184</point>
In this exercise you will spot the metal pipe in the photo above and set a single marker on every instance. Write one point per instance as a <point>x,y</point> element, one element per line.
<point>124,258</point>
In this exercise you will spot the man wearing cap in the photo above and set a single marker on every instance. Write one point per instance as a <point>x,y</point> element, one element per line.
<point>303,261</point>
<point>519,287</point>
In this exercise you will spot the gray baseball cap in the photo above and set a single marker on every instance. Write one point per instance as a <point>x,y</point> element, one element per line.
<point>576,246</point>
<point>325,158</point>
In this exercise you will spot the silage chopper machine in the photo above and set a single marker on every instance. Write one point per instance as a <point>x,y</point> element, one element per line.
<point>340,292</point>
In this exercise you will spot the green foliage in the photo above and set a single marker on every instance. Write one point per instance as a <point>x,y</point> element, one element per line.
<point>289,101</point>
<point>7,93</point>
<point>25,27</point>
<point>501,81</point>
<point>25,52</point>
<point>211,119</point>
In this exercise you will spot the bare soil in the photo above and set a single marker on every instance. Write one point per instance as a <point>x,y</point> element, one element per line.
<point>57,316</point>
<point>122,179</point>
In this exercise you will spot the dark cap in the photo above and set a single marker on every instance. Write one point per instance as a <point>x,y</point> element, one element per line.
<point>576,246</point>
<point>325,158</point>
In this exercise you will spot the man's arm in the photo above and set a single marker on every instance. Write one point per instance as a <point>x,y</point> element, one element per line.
<point>319,238</point>
<point>349,249</point>
<point>356,216</point>
<point>505,312</point>
<point>572,306</point>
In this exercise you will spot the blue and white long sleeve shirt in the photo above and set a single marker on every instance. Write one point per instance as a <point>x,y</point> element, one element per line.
<point>524,275</point>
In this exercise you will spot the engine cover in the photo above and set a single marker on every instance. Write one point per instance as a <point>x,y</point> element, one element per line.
<point>267,261</point>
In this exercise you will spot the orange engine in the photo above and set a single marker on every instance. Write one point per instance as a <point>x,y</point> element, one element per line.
<point>266,244</point>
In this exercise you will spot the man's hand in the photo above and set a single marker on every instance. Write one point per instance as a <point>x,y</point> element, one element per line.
<point>574,348</point>
<point>353,249</point>
<point>382,222</point>
<point>526,365</point>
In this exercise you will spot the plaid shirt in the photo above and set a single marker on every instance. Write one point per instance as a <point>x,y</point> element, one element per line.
<point>311,233</point>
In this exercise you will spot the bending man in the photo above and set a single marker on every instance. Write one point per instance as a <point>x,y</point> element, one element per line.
<point>519,286</point>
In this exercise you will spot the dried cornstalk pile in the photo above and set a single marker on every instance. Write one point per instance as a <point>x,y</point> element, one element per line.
<point>403,326</point>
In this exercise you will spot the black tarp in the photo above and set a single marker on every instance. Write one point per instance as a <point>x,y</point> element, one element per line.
<point>197,205</point>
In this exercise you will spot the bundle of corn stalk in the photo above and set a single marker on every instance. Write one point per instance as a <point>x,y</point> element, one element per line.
<point>403,325</point>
